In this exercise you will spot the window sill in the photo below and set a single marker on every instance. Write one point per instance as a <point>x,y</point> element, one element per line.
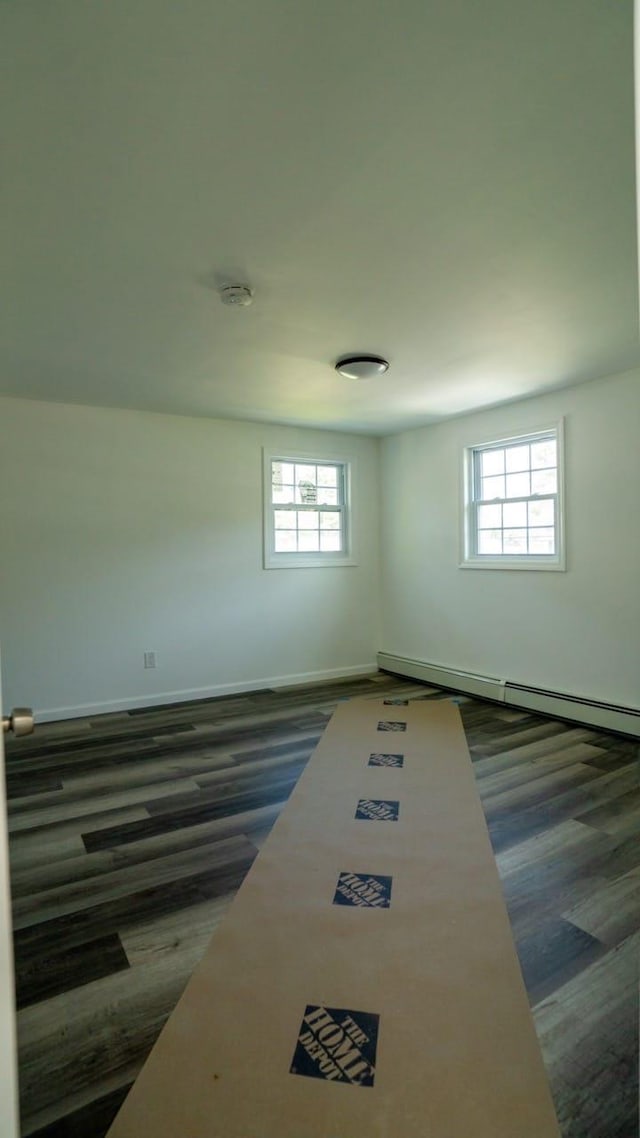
<point>555,566</point>
<point>300,561</point>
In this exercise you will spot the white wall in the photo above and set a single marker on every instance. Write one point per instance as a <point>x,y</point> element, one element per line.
<point>576,632</point>
<point>125,532</point>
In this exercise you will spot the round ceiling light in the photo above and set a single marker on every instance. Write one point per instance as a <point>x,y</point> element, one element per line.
<point>361,367</point>
<point>237,295</point>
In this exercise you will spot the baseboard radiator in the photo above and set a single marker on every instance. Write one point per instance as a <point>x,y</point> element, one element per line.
<point>559,705</point>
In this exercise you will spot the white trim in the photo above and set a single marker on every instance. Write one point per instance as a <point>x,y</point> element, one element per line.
<point>9,1113</point>
<point>469,560</point>
<point>558,705</point>
<point>273,560</point>
<point>51,714</point>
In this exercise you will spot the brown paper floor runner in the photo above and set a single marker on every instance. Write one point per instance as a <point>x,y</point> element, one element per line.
<point>364,982</point>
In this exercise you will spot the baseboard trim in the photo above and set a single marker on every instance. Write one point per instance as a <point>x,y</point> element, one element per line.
<point>559,705</point>
<point>105,707</point>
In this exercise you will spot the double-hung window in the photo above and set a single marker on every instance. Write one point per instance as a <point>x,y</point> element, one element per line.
<point>513,503</point>
<point>306,511</point>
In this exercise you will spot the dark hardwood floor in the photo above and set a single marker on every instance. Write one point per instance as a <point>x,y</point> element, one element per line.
<point>131,832</point>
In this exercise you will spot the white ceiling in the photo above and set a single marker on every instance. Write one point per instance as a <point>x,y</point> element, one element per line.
<point>447,182</point>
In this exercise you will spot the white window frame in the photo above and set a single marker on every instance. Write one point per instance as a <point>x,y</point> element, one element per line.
<point>470,559</point>
<point>297,560</point>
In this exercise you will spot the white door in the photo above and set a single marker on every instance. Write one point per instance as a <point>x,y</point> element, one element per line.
<point>8,1054</point>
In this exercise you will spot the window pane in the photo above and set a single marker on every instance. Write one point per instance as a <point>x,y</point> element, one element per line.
<point>327,496</point>
<point>308,541</point>
<point>282,472</point>
<point>490,541</point>
<point>327,476</point>
<point>544,482</point>
<point>492,462</point>
<point>492,488</point>
<point>285,541</point>
<point>330,541</point>
<point>542,541</point>
<point>306,493</point>
<point>518,486</point>
<point>308,519</point>
<point>515,514</point>
<point>329,519</point>
<point>541,513</point>
<point>285,519</point>
<point>281,495</point>
<point>305,472</point>
<point>515,541</point>
<point>518,458</point>
<point>544,453</point>
<point>489,517</point>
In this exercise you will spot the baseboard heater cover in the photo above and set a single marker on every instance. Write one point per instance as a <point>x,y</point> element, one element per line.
<point>610,716</point>
<point>559,705</point>
<point>487,687</point>
<point>364,983</point>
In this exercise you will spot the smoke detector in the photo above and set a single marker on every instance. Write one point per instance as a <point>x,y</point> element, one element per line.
<point>361,367</point>
<point>240,296</point>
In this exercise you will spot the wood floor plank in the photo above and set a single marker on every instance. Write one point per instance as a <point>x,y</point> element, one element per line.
<point>614,815</point>
<point>553,953</point>
<point>522,751</point>
<point>190,928</point>
<point>107,917</point>
<point>611,911</point>
<point>36,846</point>
<point>94,1117</point>
<point>112,1023</point>
<point>145,771</point>
<point>545,763</point>
<point>58,970</point>
<point>589,1035</point>
<point>536,791</point>
<point>61,810</point>
<point>204,810</point>
<point>513,828</point>
<point>506,739</point>
<point>51,875</point>
<point>75,896</point>
<point>28,855</point>
<point>21,785</point>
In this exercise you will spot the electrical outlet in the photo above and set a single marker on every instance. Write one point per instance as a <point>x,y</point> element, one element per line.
<point>149,659</point>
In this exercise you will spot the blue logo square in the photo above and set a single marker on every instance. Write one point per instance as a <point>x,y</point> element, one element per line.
<point>337,1045</point>
<point>378,809</point>
<point>363,890</point>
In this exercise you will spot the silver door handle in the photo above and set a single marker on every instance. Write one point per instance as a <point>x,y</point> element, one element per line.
<point>20,721</point>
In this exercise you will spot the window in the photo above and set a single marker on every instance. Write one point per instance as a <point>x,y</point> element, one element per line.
<point>513,503</point>
<point>306,512</point>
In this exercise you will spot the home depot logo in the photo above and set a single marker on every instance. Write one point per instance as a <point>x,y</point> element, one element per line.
<point>364,890</point>
<point>378,809</point>
<point>379,760</point>
<point>338,1045</point>
<point>391,725</point>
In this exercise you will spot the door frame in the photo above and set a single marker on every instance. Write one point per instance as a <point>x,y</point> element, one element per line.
<point>9,1113</point>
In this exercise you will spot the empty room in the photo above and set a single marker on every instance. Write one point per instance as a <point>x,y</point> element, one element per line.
<point>320,569</point>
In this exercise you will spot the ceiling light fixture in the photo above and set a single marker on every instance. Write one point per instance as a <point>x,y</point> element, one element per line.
<point>239,296</point>
<point>361,367</point>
